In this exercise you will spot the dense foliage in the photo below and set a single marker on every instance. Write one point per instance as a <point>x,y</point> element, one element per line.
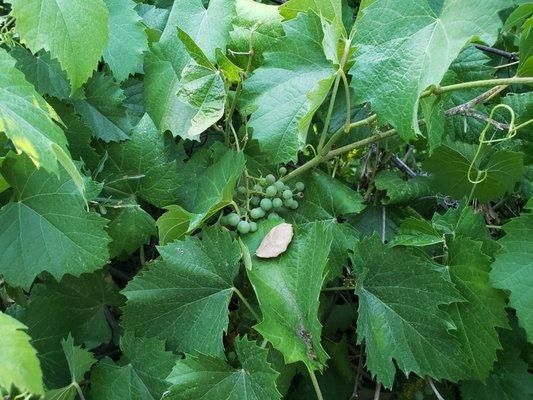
<point>149,148</point>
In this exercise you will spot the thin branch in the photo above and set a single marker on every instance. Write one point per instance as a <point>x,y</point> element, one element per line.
<point>377,391</point>
<point>498,52</point>
<point>403,166</point>
<point>358,372</point>
<point>482,98</point>
<point>482,117</point>
<point>434,388</point>
<point>245,302</point>
<point>338,288</point>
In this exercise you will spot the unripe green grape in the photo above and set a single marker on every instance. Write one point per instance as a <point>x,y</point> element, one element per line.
<point>287,203</point>
<point>294,205</point>
<point>243,227</point>
<point>253,227</point>
<point>300,186</point>
<point>241,190</point>
<point>287,194</point>
<point>257,213</point>
<point>258,188</point>
<point>271,191</point>
<point>279,185</point>
<point>266,204</point>
<point>282,171</point>
<point>255,201</point>
<point>277,203</point>
<point>270,179</point>
<point>233,219</point>
<point>273,215</point>
<point>263,182</point>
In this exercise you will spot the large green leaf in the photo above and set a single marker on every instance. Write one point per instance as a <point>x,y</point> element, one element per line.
<point>410,45</point>
<point>328,200</point>
<point>141,167</point>
<point>28,121</point>
<point>399,190</point>
<point>512,269</point>
<point>288,288</point>
<point>284,93</point>
<point>75,306</point>
<point>19,365</point>
<point>399,316</point>
<point>102,109</point>
<point>206,188</point>
<point>255,22</point>
<point>449,166</point>
<point>202,377</point>
<point>75,32</point>
<point>183,297</point>
<point>46,226</point>
<point>209,28</point>
<point>139,375</point>
<point>43,72</point>
<point>127,41</point>
<point>476,319</point>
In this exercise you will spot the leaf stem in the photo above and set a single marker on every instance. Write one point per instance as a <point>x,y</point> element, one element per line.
<point>476,84</point>
<point>315,385</point>
<point>246,303</point>
<point>338,288</point>
<point>78,389</point>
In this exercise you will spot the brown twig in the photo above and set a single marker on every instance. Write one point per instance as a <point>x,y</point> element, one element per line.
<point>482,98</point>
<point>498,52</point>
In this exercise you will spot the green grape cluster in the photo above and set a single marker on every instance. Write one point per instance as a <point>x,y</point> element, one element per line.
<point>265,199</point>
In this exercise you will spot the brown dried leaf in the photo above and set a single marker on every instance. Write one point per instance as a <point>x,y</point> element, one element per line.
<point>275,242</point>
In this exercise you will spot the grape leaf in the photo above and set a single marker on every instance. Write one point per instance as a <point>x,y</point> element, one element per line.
<point>202,376</point>
<point>19,365</point>
<point>284,93</point>
<point>205,190</point>
<point>399,316</point>
<point>74,306</point>
<point>331,10</point>
<point>449,166</point>
<point>153,17</point>
<point>287,289</point>
<point>483,311</point>
<point>79,360</point>
<point>183,297</point>
<point>43,72</point>
<point>509,381</point>
<point>328,200</point>
<point>127,40</point>
<point>102,109</point>
<point>139,375</point>
<point>255,22</point>
<point>75,32</point>
<point>411,45</point>
<point>209,29</point>
<point>417,232</point>
<point>399,190</point>
<point>129,229</point>
<point>28,121</point>
<point>46,227</point>
<point>512,269</point>
<point>141,166</point>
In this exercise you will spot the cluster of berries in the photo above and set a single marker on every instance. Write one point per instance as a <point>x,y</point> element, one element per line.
<point>268,197</point>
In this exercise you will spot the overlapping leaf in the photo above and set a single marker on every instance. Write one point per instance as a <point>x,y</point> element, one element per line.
<point>284,93</point>
<point>75,32</point>
<point>201,377</point>
<point>400,319</point>
<point>184,296</point>
<point>287,289</point>
<point>410,45</point>
<point>46,226</point>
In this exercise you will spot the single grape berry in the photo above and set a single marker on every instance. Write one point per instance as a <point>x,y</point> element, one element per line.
<point>266,204</point>
<point>263,182</point>
<point>282,171</point>
<point>255,201</point>
<point>243,227</point>
<point>277,203</point>
<point>233,219</point>
<point>241,190</point>
<point>257,213</point>
<point>271,191</point>
<point>300,186</point>
<point>253,227</point>
<point>279,185</point>
<point>287,194</point>
<point>294,205</point>
<point>258,188</point>
<point>273,215</point>
<point>270,179</point>
<point>287,203</point>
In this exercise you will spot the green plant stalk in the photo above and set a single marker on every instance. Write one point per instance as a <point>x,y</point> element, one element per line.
<point>315,385</point>
<point>246,303</point>
<point>327,154</point>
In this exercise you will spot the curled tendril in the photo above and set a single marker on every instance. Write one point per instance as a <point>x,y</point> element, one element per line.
<point>511,132</point>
